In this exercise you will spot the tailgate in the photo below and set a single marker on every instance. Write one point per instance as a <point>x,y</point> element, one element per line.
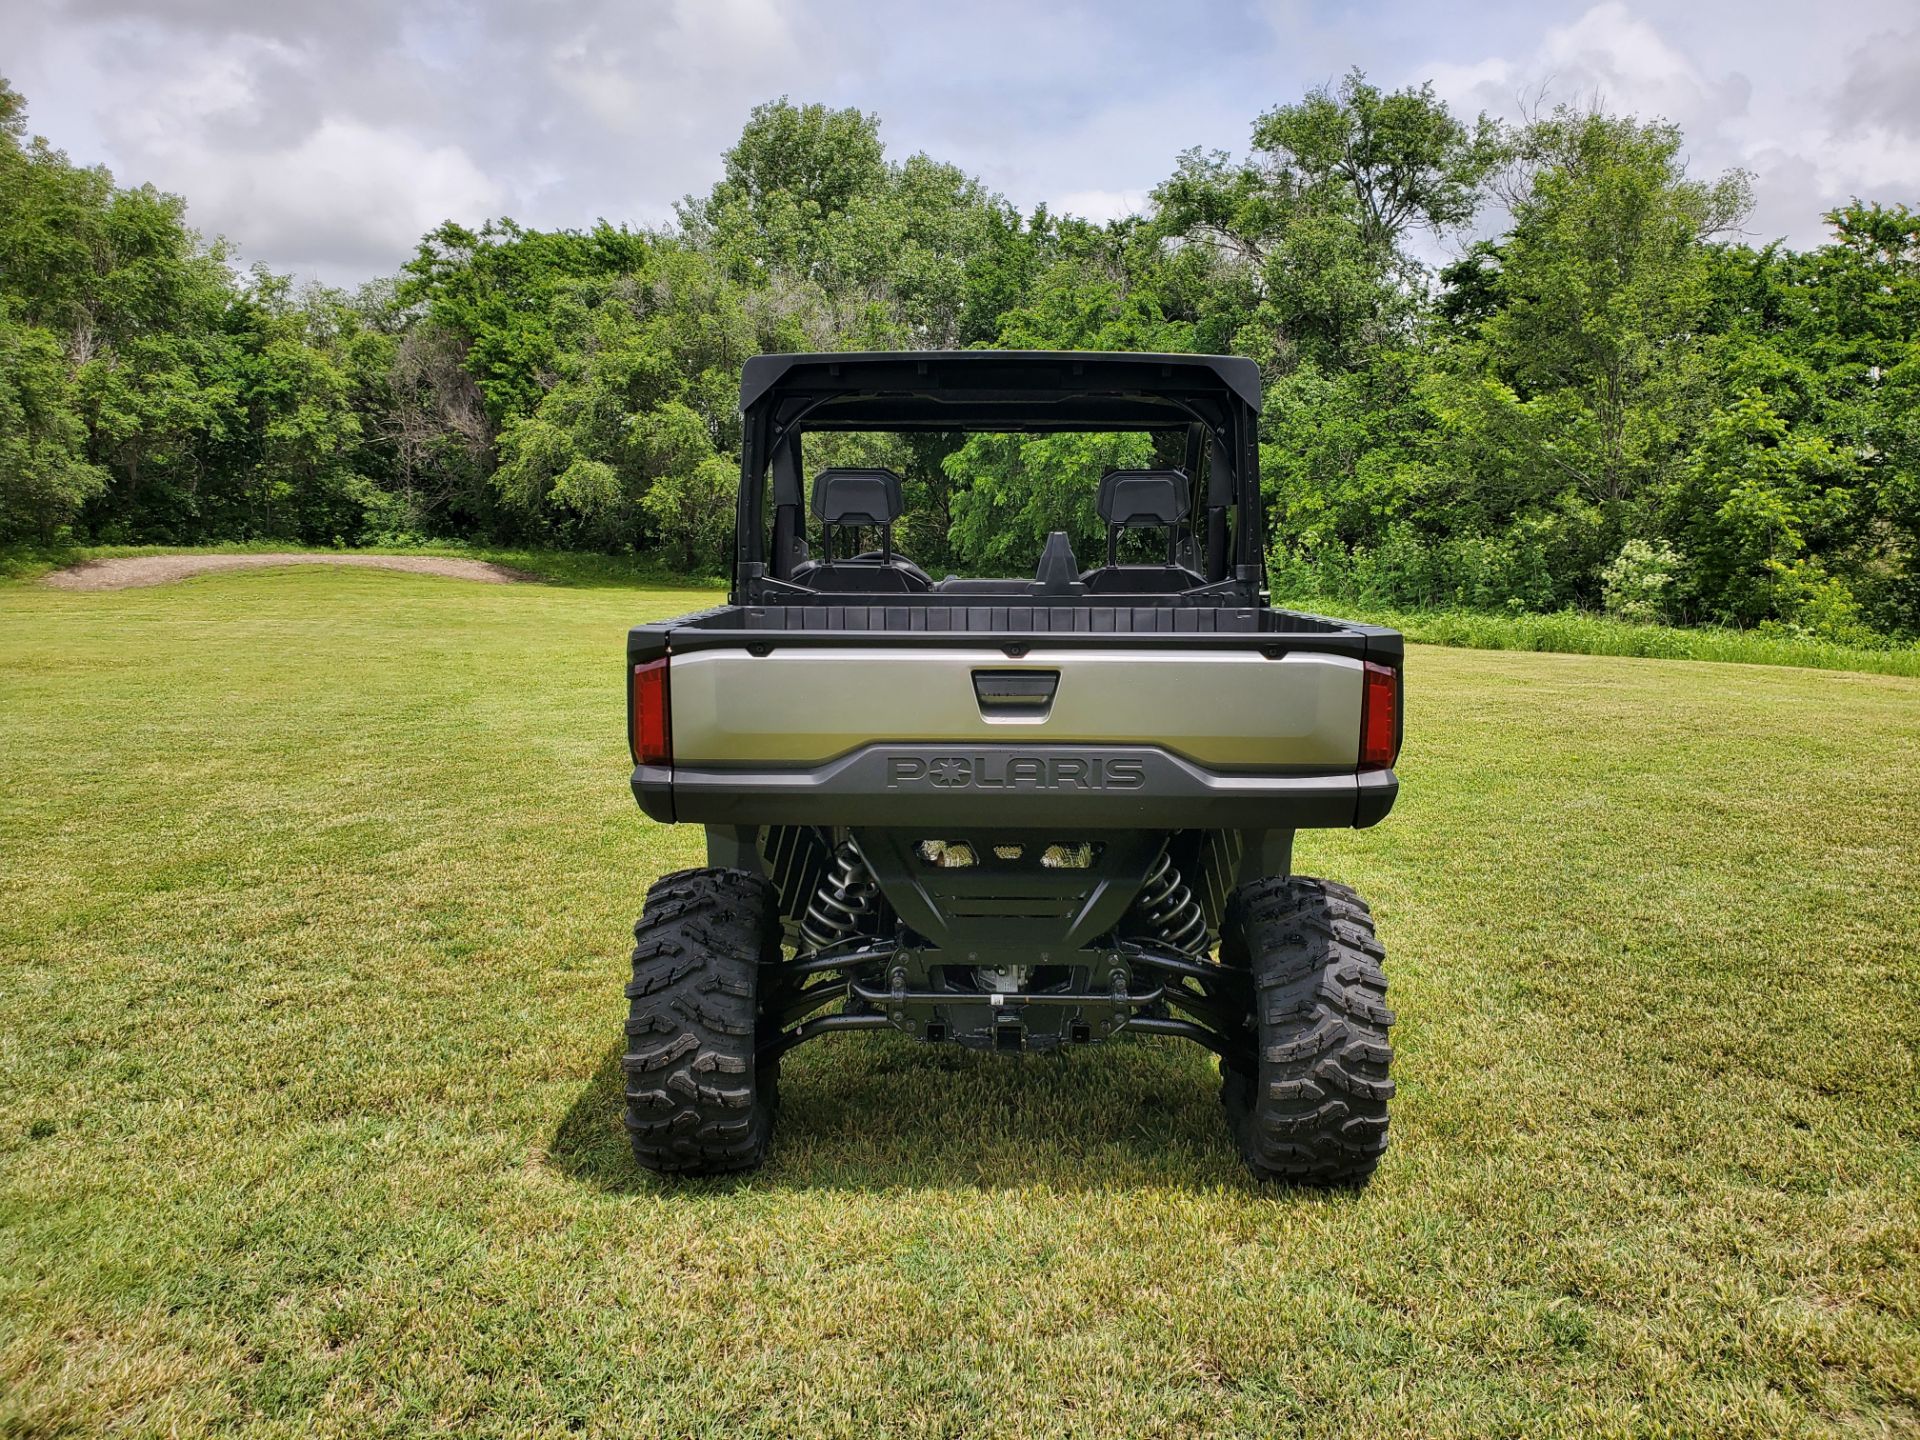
<point>1226,709</point>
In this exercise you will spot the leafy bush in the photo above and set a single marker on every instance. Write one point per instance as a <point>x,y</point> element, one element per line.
<point>1636,585</point>
<point>1509,572</point>
<point>1812,603</point>
<point>692,511</point>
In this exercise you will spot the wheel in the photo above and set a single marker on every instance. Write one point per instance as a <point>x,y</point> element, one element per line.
<point>1308,1099</point>
<point>699,1099</point>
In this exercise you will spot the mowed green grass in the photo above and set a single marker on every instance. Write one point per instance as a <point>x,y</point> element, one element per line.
<point>314,888</point>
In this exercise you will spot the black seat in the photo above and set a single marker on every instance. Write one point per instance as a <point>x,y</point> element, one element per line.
<point>846,497</point>
<point>1143,500</point>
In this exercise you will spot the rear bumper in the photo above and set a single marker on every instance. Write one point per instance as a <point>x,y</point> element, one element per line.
<point>1014,787</point>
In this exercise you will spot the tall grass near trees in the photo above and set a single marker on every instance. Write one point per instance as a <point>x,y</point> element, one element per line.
<point>1571,632</point>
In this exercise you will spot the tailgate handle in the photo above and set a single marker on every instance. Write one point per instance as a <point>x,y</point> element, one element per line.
<point>1023,694</point>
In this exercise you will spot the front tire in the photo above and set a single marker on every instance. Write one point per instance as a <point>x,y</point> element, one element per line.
<point>1308,1100</point>
<point>699,1098</point>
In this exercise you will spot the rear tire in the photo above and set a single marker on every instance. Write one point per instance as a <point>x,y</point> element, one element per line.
<point>699,1099</point>
<point>1308,1101</point>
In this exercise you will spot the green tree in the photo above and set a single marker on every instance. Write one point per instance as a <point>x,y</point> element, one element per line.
<point>112,283</point>
<point>1394,160</point>
<point>497,290</point>
<point>691,509</point>
<point>808,196</point>
<point>788,186</point>
<point>1014,490</point>
<point>1319,213</point>
<point>1603,281</point>
<point>296,447</point>
<point>45,476</point>
<point>1760,501</point>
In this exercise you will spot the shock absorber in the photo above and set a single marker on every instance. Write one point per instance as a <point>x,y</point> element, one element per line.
<point>1170,910</point>
<point>844,902</point>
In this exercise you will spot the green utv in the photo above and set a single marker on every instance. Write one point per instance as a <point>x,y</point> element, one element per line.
<point>1012,814</point>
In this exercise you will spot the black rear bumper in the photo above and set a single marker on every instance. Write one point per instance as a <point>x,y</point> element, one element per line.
<point>1014,787</point>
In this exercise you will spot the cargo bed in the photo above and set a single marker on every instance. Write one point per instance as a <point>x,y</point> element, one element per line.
<point>1019,714</point>
<point>936,620</point>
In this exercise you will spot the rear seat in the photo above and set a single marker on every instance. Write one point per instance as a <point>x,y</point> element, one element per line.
<point>1143,500</point>
<point>850,498</point>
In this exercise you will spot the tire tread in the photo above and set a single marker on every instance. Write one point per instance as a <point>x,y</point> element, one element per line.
<point>1308,1101</point>
<point>699,1101</point>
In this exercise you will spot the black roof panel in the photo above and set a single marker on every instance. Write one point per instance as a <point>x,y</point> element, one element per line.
<point>1012,389</point>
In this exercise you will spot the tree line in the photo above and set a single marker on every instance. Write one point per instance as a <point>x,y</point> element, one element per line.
<point>1618,403</point>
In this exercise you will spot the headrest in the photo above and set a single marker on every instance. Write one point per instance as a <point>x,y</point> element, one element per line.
<point>1144,497</point>
<point>846,496</point>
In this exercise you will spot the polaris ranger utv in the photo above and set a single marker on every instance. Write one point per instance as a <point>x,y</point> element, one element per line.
<point>1015,814</point>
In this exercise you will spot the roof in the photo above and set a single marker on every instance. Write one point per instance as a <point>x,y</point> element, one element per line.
<point>998,389</point>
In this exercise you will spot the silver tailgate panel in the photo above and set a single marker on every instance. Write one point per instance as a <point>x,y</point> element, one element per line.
<point>1221,708</point>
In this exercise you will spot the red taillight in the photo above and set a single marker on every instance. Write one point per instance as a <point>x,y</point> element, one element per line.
<point>652,736</point>
<point>1379,718</point>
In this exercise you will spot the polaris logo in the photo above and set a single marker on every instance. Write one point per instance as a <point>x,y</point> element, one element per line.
<point>1014,772</point>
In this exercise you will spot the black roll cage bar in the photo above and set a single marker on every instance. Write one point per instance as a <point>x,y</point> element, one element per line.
<point>1216,398</point>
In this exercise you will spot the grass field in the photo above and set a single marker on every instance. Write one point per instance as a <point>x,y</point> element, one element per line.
<point>312,893</point>
<point>1566,632</point>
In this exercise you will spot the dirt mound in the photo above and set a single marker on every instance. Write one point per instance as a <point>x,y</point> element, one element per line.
<point>129,572</point>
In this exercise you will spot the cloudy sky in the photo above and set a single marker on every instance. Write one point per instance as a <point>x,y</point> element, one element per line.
<point>324,136</point>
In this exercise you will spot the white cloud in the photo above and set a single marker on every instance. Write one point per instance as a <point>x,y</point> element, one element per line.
<point>1611,42</point>
<point>326,138</point>
<point>1778,122</point>
<point>641,69</point>
<point>1608,56</point>
<point>334,195</point>
<point>1883,84</point>
<point>348,191</point>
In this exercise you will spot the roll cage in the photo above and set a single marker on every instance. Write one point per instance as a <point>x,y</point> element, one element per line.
<point>1215,399</point>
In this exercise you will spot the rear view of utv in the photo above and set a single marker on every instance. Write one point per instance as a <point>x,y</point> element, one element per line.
<point>1016,814</point>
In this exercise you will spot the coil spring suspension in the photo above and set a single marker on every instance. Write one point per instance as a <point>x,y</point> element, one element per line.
<point>1170,910</point>
<point>844,903</point>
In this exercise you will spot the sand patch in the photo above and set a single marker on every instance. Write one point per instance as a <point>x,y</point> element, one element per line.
<point>132,571</point>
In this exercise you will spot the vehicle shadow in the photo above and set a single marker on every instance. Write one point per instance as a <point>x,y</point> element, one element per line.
<point>882,1112</point>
